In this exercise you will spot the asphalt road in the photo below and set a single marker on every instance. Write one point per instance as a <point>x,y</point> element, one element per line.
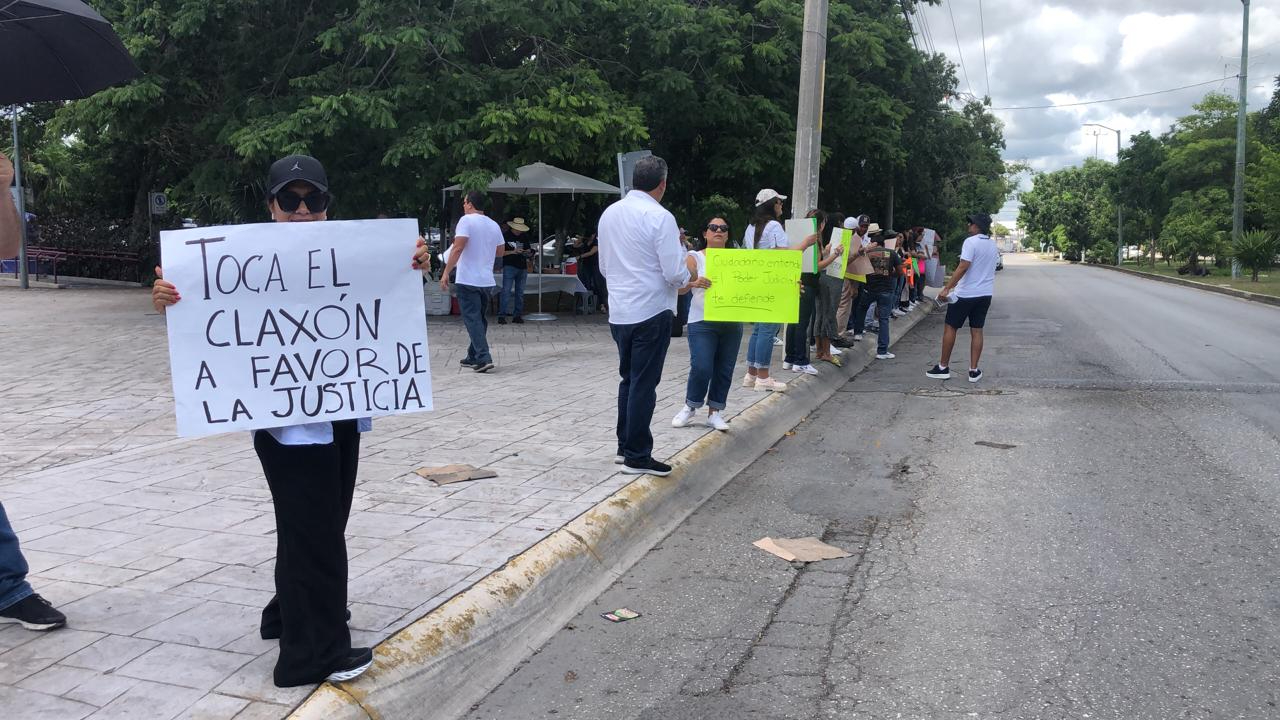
<point>1119,561</point>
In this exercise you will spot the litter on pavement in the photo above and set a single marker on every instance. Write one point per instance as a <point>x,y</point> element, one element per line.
<point>620,615</point>
<point>449,474</point>
<point>805,550</point>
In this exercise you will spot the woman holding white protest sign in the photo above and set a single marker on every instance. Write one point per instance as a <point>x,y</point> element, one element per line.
<point>310,469</point>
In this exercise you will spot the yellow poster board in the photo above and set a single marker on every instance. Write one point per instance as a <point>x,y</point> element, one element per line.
<point>836,269</point>
<point>756,286</point>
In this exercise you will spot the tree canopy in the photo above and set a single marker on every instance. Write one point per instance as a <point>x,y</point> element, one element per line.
<point>400,98</point>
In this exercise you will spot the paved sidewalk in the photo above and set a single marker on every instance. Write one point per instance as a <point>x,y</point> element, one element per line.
<point>160,550</point>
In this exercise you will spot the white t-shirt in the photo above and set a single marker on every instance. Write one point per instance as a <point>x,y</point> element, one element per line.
<point>980,279</point>
<point>774,236</point>
<point>697,306</point>
<point>483,235</point>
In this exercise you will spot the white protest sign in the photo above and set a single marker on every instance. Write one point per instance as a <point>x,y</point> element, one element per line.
<point>290,323</point>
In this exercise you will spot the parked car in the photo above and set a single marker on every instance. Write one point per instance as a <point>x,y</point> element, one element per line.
<point>1000,261</point>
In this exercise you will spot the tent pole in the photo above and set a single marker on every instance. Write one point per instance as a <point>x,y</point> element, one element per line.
<point>540,315</point>
<point>21,202</point>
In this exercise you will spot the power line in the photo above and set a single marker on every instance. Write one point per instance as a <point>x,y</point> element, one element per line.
<point>907,16</point>
<point>982,25</point>
<point>960,52</point>
<point>923,19</point>
<point>1118,99</point>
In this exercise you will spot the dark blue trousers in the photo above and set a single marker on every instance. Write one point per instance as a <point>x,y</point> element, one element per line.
<point>642,350</point>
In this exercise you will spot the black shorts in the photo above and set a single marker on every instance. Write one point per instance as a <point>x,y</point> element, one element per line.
<point>972,309</point>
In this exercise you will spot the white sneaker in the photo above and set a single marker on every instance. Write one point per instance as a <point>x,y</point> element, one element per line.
<point>748,381</point>
<point>857,337</point>
<point>777,341</point>
<point>714,420</point>
<point>788,366</point>
<point>770,385</point>
<point>897,313</point>
<point>886,356</point>
<point>683,417</point>
<point>805,369</point>
<point>836,351</point>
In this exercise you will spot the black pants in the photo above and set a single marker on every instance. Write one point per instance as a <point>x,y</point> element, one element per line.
<point>797,346</point>
<point>311,487</point>
<point>642,351</point>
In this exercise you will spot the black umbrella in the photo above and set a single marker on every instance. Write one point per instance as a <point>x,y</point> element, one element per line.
<point>57,50</point>
<point>54,50</point>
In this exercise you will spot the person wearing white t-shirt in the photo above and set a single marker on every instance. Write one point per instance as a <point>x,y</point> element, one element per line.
<point>764,233</point>
<point>969,294</point>
<point>713,346</point>
<point>477,240</point>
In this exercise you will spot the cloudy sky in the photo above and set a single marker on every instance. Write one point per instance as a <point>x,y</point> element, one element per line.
<point>1043,52</point>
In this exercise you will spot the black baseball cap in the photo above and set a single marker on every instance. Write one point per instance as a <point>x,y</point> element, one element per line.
<point>296,168</point>
<point>982,220</point>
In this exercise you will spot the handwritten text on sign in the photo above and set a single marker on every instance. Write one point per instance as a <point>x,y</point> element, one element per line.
<point>290,323</point>
<point>760,286</point>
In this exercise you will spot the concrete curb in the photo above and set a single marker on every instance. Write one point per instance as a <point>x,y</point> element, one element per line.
<point>1241,294</point>
<point>443,663</point>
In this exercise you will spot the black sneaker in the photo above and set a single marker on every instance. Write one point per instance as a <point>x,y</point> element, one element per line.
<point>356,662</point>
<point>975,375</point>
<point>502,319</point>
<point>482,367</point>
<point>34,613</point>
<point>646,467</point>
<point>467,363</point>
<point>938,373</point>
<point>519,320</point>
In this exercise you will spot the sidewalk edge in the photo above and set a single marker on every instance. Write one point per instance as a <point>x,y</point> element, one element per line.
<point>444,662</point>
<point>1229,291</point>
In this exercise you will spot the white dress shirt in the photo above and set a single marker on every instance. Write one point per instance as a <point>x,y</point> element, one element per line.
<point>641,258</point>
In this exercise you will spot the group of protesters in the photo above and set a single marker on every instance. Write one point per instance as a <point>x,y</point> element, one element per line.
<point>311,468</point>
<point>648,269</point>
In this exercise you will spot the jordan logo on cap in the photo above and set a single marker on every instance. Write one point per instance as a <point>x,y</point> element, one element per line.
<point>296,166</point>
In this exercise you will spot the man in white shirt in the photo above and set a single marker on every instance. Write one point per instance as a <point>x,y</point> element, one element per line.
<point>477,241</point>
<point>969,294</point>
<point>645,266</point>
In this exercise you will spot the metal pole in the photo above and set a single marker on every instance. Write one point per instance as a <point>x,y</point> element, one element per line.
<point>1119,208</point>
<point>21,203</point>
<point>1237,214</point>
<point>813,68</point>
<point>540,316</point>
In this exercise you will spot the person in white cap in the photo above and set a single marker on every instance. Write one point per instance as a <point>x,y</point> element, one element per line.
<point>764,232</point>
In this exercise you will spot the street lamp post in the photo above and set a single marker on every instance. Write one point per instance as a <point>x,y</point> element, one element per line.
<point>1119,204</point>
<point>1237,210</point>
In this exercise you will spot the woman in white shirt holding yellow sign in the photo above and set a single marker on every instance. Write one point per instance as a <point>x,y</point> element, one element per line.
<point>713,346</point>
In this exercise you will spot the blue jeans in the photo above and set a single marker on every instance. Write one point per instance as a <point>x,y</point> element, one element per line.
<point>713,351</point>
<point>472,301</point>
<point>885,303</point>
<point>642,351</point>
<point>760,347</point>
<point>513,278</point>
<point>13,567</point>
<point>797,340</point>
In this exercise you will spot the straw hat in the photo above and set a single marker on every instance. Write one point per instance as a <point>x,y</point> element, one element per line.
<point>518,224</point>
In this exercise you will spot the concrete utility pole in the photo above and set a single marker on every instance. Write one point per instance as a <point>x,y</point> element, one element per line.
<point>1237,214</point>
<point>813,72</point>
<point>1119,205</point>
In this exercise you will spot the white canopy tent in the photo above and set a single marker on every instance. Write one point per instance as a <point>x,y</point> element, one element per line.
<point>543,179</point>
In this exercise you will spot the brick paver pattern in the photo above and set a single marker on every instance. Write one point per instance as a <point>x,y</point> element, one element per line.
<point>160,549</point>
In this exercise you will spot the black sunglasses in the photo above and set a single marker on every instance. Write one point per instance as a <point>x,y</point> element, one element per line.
<point>718,228</point>
<point>317,201</point>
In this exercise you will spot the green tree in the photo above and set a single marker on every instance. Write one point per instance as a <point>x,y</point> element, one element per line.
<point>1140,188</point>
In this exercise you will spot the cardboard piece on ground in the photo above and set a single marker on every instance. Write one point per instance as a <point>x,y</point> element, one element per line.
<point>809,549</point>
<point>450,474</point>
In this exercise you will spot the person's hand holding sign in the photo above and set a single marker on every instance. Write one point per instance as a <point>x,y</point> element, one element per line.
<point>163,293</point>
<point>702,282</point>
